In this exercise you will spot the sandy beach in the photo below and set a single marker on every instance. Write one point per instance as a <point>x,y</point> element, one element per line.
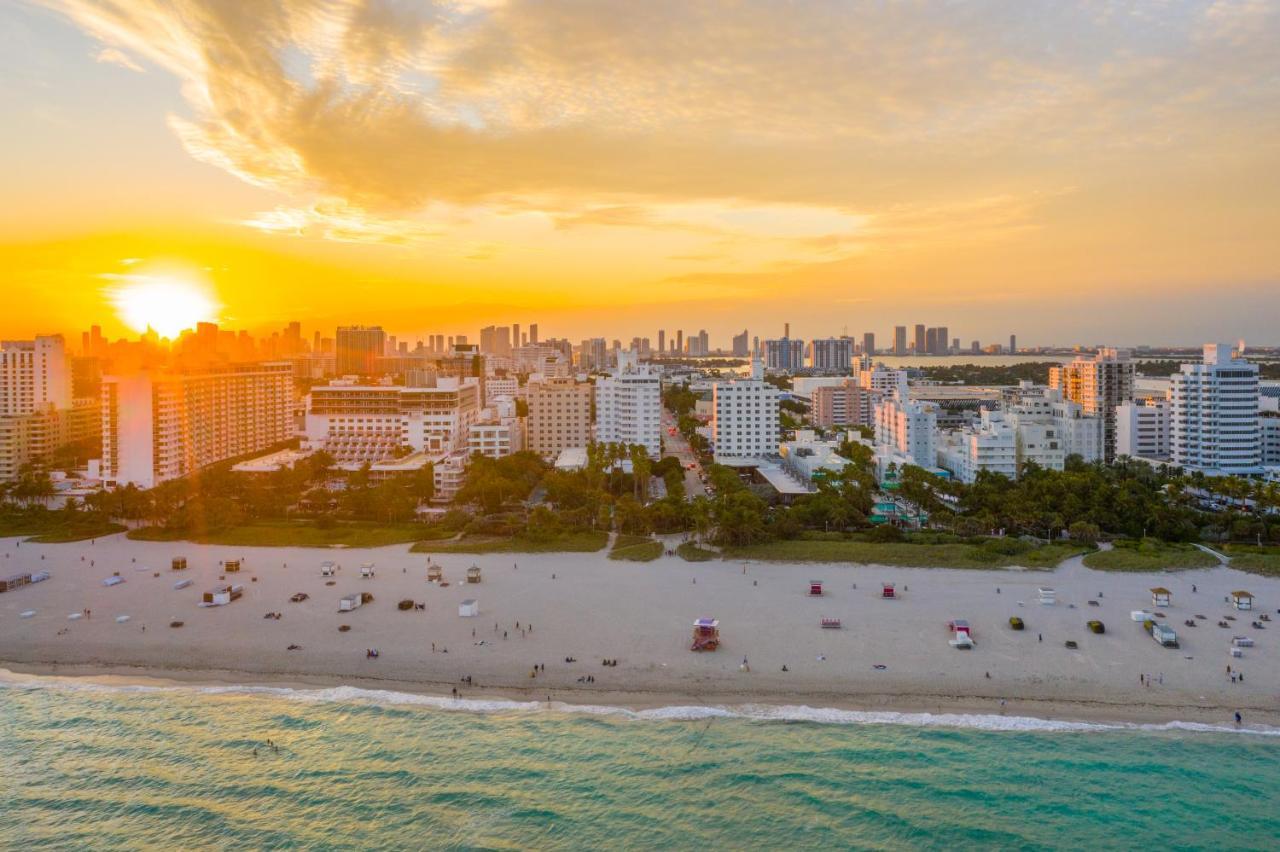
<point>586,607</point>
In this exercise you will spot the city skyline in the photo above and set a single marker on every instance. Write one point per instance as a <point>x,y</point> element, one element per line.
<point>1040,162</point>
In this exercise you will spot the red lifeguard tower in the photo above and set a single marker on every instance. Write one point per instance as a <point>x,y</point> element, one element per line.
<point>706,635</point>
<point>815,588</point>
<point>887,591</point>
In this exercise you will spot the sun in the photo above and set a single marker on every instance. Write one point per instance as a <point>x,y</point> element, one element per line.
<point>168,304</point>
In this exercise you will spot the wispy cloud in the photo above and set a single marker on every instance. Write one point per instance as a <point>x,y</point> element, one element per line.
<point>112,56</point>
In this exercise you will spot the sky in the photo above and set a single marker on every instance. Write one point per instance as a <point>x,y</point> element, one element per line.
<point>1073,172</point>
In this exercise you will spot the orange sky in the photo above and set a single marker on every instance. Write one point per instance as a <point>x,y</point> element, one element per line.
<point>1072,172</point>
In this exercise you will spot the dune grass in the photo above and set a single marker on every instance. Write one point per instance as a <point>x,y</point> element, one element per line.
<point>1149,555</point>
<point>587,541</point>
<point>294,534</point>
<point>690,552</point>
<point>910,554</point>
<point>1254,559</point>
<point>56,527</point>
<point>636,548</point>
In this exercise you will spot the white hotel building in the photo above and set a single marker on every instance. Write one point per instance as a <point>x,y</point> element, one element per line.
<point>905,431</point>
<point>1213,424</point>
<point>368,423</point>
<point>629,406</point>
<point>744,419</point>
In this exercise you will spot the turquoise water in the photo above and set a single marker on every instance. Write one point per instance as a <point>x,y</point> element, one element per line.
<point>89,766</point>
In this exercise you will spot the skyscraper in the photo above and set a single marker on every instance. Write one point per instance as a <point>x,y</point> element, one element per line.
<point>1214,414</point>
<point>868,343</point>
<point>921,342</point>
<point>662,341</point>
<point>930,341</point>
<point>944,341</point>
<point>357,347</point>
<point>741,346</point>
<point>533,334</point>
<point>899,340</point>
<point>1013,344</point>
<point>679,341</point>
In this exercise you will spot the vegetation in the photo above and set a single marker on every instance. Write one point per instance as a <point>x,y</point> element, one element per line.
<point>587,541</point>
<point>924,552</point>
<point>634,548</point>
<point>690,552</point>
<point>1149,555</point>
<point>1255,559</point>
<point>980,374</point>
<point>294,534</point>
<point>50,527</point>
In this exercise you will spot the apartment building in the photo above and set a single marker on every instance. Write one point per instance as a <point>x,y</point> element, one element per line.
<point>906,428</point>
<point>162,426</point>
<point>784,355</point>
<point>831,354</point>
<point>500,388</point>
<point>744,419</point>
<point>34,438</point>
<point>495,437</point>
<point>1214,414</point>
<point>629,406</point>
<point>34,375</point>
<point>367,423</point>
<point>358,348</point>
<point>845,404</point>
<point>1098,384</point>
<point>1142,429</point>
<point>559,415</point>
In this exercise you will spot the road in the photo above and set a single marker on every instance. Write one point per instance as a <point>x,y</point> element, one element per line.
<point>677,446</point>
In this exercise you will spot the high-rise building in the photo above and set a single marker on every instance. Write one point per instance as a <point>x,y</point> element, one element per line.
<point>869,344</point>
<point>899,340</point>
<point>784,354</point>
<point>905,428</point>
<point>662,341</point>
<point>741,345</point>
<point>1013,344</point>
<point>34,375</point>
<point>921,340</point>
<point>533,334</point>
<point>559,415</point>
<point>943,341</point>
<point>832,354</point>
<point>593,355</point>
<point>679,341</point>
<point>162,426</point>
<point>629,406</point>
<point>1098,384</point>
<point>744,418</point>
<point>357,347</point>
<point>931,341</point>
<point>1214,414</point>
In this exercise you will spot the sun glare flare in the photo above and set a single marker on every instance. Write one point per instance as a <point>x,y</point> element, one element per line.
<point>166,304</point>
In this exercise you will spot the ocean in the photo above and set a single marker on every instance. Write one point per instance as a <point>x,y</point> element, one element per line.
<point>85,764</point>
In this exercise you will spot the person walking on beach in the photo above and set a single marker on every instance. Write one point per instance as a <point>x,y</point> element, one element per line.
<point>1239,719</point>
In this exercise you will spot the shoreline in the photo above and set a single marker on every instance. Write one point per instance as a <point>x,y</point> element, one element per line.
<point>1120,713</point>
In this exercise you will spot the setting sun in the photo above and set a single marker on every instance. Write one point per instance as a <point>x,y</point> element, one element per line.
<point>163,303</point>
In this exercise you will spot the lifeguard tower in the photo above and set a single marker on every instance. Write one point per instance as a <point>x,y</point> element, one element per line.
<point>706,635</point>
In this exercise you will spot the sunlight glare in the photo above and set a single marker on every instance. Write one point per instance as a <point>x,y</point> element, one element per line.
<point>164,303</point>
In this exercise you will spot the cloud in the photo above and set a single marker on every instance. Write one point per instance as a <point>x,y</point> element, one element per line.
<point>112,56</point>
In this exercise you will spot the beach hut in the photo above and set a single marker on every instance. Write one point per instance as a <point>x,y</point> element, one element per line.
<point>815,588</point>
<point>473,574</point>
<point>887,591</point>
<point>222,595</point>
<point>231,566</point>
<point>1242,641</point>
<point>434,573</point>
<point>1163,634</point>
<point>706,635</point>
<point>366,570</point>
<point>1048,597</point>
<point>469,608</point>
<point>1160,597</point>
<point>328,569</point>
<point>1242,600</point>
<point>347,603</point>
<point>179,563</point>
<point>831,623</point>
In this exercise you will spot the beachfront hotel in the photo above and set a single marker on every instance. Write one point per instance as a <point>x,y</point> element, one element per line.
<point>162,426</point>
<point>1098,384</point>
<point>629,406</point>
<point>744,419</point>
<point>559,415</point>
<point>358,423</point>
<point>38,411</point>
<point>1213,423</point>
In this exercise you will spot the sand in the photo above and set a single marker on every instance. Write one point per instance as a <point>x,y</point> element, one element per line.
<point>589,608</point>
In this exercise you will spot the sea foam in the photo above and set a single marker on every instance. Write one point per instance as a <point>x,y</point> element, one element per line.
<point>675,713</point>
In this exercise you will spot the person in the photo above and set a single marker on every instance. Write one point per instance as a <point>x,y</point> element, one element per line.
<point>1193,588</point>
<point>1238,717</point>
<point>1039,637</point>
